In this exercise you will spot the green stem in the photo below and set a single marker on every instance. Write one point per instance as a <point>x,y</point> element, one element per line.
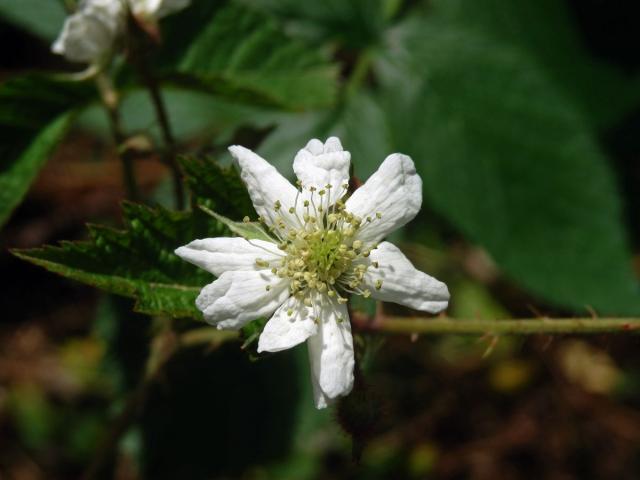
<point>528,326</point>
<point>111,102</point>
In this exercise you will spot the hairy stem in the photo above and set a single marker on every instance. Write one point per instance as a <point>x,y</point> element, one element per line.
<point>527,326</point>
<point>111,102</point>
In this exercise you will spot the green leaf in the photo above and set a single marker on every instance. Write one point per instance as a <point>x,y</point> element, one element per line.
<point>243,55</point>
<point>35,114</point>
<point>356,24</point>
<point>509,159</point>
<point>43,18</point>
<point>137,262</point>
<point>216,187</point>
<point>547,30</point>
<point>248,230</point>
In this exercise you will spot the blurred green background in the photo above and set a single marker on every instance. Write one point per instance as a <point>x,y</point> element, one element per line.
<point>524,121</point>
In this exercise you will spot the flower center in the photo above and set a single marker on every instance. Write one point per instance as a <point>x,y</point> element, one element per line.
<point>321,251</point>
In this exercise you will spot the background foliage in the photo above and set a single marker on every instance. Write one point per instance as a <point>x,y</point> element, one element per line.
<point>522,118</point>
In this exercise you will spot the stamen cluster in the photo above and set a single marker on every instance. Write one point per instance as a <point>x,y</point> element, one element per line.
<point>321,252</point>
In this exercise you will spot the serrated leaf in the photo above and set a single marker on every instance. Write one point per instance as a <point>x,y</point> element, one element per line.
<point>247,230</point>
<point>216,187</point>
<point>243,55</point>
<point>35,114</point>
<point>137,262</point>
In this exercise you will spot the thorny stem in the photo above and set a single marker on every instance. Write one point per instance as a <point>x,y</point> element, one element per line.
<point>111,101</point>
<point>165,348</point>
<point>528,326</point>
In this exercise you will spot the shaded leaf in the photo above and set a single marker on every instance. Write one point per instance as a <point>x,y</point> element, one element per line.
<point>35,113</point>
<point>508,158</point>
<point>243,55</point>
<point>547,30</point>
<point>216,187</point>
<point>43,18</point>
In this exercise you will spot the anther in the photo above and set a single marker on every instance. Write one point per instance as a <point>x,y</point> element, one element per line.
<point>262,263</point>
<point>246,219</point>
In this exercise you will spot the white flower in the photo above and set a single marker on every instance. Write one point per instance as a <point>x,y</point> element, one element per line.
<point>91,33</point>
<point>325,247</point>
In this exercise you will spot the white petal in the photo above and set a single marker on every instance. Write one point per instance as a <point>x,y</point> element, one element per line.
<point>284,331</point>
<point>218,255</point>
<point>321,164</point>
<point>88,35</point>
<point>236,298</point>
<point>402,283</point>
<point>265,185</point>
<point>331,355</point>
<point>395,191</point>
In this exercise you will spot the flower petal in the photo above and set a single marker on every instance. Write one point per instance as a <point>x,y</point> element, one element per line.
<point>394,191</point>
<point>236,298</point>
<point>88,35</point>
<point>284,331</point>
<point>319,165</point>
<point>266,186</point>
<point>402,283</point>
<point>331,354</point>
<point>218,255</point>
